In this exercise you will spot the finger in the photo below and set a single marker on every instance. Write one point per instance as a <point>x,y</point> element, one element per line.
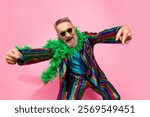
<point>10,58</point>
<point>129,36</point>
<point>11,55</point>
<point>120,38</point>
<point>128,40</point>
<point>17,53</point>
<point>14,53</point>
<point>125,35</point>
<point>11,62</point>
<point>118,35</point>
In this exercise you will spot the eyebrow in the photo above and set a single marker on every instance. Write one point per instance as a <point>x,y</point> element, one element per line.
<point>66,29</point>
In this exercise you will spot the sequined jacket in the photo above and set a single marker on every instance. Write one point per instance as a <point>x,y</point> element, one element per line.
<point>94,74</point>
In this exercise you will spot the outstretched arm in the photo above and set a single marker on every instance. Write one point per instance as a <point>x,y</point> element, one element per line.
<point>34,56</point>
<point>28,56</point>
<point>120,34</point>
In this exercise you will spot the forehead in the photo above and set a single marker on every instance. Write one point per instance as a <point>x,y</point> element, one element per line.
<point>63,26</point>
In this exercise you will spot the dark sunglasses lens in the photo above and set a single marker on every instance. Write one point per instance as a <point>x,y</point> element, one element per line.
<point>63,33</point>
<point>69,30</point>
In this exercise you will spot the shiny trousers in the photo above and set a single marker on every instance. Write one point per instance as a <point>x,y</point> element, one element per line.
<point>78,84</point>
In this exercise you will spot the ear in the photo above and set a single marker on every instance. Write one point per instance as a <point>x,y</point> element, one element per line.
<point>74,28</point>
<point>58,35</point>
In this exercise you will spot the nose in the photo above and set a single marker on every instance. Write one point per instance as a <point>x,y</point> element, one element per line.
<point>68,34</point>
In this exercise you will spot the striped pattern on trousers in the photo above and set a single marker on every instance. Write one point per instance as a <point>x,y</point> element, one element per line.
<point>79,83</point>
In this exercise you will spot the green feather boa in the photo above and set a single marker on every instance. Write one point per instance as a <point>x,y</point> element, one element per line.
<point>61,51</point>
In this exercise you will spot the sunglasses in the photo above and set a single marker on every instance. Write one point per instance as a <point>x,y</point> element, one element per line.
<point>63,33</point>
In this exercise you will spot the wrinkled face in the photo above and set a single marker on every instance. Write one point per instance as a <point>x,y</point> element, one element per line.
<point>66,31</point>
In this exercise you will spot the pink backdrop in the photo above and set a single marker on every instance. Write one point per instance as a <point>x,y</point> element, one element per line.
<point>30,22</point>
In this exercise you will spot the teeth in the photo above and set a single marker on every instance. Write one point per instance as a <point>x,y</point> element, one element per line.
<point>69,39</point>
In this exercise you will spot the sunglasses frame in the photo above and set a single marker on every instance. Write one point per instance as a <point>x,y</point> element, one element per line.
<point>63,33</point>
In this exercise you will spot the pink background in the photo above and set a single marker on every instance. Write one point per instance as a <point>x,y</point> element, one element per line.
<point>30,22</point>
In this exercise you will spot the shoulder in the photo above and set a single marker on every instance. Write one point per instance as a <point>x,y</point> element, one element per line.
<point>90,35</point>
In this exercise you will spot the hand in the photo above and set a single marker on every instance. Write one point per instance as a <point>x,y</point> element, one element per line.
<point>12,56</point>
<point>124,35</point>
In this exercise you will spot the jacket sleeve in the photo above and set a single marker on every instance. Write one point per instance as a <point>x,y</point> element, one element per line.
<point>105,36</point>
<point>30,56</point>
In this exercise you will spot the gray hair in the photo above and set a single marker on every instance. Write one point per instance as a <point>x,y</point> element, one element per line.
<point>65,19</point>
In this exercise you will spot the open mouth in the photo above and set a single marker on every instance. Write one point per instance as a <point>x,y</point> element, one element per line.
<point>69,39</point>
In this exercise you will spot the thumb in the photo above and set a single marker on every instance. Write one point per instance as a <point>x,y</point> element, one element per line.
<point>118,35</point>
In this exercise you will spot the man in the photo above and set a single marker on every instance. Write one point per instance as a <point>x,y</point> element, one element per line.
<point>73,54</point>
